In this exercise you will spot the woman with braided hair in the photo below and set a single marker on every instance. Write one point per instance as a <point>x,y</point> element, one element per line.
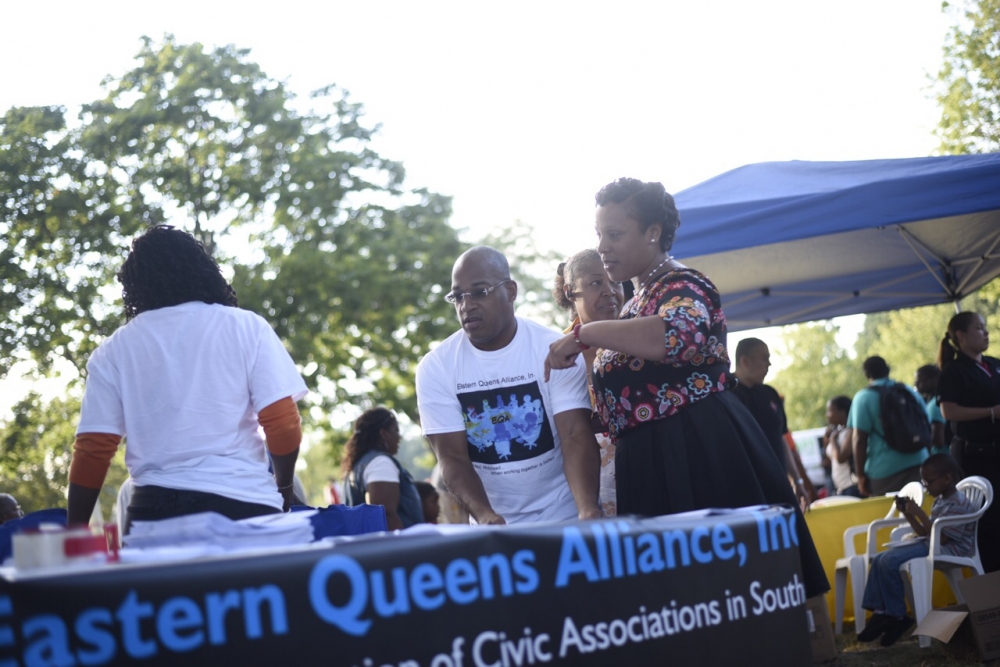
<point>373,475</point>
<point>969,394</point>
<point>189,379</point>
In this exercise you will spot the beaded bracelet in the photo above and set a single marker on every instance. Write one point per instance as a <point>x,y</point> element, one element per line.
<point>576,337</point>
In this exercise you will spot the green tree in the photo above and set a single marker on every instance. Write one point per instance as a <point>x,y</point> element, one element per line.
<point>54,247</point>
<point>533,269</point>
<point>908,339</point>
<point>968,85</point>
<point>316,468</point>
<point>820,370</point>
<point>35,453</point>
<point>318,232</point>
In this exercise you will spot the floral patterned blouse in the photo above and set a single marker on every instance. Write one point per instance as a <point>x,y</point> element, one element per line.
<point>629,391</point>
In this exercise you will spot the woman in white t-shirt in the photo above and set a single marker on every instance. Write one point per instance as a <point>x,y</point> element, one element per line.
<point>189,380</point>
<point>584,289</point>
<point>372,474</point>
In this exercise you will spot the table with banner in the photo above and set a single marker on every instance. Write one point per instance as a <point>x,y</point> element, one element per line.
<point>719,587</point>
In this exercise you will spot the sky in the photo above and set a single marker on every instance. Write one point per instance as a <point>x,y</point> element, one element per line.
<point>523,110</point>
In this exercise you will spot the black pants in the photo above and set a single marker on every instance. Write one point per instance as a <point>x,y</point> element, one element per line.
<point>153,503</point>
<point>712,453</point>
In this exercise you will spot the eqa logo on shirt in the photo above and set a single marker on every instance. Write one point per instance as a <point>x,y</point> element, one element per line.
<point>506,424</point>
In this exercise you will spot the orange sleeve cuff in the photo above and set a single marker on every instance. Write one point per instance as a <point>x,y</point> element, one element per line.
<point>282,426</point>
<point>92,454</point>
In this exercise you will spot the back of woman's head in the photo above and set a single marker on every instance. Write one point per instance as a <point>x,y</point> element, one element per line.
<point>649,203</point>
<point>948,349</point>
<point>367,435</point>
<point>566,274</point>
<point>167,267</point>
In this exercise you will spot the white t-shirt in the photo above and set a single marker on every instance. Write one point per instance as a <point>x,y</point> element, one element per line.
<point>184,385</point>
<point>380,469</point>
<point>501,401</point>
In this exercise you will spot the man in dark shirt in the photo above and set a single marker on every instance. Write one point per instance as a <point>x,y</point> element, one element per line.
<point>753,359</point>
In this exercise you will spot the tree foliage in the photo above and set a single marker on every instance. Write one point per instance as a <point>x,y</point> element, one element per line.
<point>35,453</point>
<point>318,232</point>
<point>908,339</point>
<point>820,370</point>
<point>968,84</point>
<point>533,269</point>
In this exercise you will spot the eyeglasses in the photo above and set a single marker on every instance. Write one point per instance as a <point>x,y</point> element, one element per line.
<point>928,482</point>
<point>476,294</point>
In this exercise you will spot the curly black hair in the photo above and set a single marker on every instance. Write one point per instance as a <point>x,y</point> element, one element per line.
<point>649,203</point>
<point>566,275</point>
<point>367,436</point>
<point>167,267</point>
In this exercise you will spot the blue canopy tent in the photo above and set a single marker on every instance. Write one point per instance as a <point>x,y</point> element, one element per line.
<point>789,242</point>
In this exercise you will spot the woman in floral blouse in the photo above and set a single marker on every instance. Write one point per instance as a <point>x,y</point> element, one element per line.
<point>661,378</point>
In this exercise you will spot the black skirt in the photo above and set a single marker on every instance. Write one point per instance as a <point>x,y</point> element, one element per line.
<point>711,454</point>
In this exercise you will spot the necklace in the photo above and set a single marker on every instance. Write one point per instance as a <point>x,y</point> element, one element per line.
<point>655,269</point>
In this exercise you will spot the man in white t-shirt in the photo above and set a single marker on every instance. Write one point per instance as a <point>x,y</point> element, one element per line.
<point>512,447</point>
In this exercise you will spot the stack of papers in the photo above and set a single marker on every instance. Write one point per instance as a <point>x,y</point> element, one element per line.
<point>214,533</point>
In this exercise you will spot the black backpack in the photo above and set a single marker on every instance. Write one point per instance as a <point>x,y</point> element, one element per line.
<point>904,421</point>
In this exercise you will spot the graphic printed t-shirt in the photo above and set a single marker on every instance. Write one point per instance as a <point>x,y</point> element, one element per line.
<point>501,401</point>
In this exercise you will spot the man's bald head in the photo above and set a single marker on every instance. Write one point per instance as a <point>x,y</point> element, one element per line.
<point>485,294</point>
<point>489,260</point>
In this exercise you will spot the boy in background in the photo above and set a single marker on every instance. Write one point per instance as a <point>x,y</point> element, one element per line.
<point>884,593</point>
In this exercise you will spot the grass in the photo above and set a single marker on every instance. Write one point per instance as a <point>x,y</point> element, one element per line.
<point>961,651</point>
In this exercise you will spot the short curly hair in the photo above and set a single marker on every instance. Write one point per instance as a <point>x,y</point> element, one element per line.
<point>649,203</point>
<point>566,274</point>
<point>168,267</point>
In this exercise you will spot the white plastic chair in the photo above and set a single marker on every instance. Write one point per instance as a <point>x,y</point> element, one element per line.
<point>856,565</point>
<point>920,583</point>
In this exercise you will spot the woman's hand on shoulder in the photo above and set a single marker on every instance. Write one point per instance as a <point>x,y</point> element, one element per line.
<point>562,354</point>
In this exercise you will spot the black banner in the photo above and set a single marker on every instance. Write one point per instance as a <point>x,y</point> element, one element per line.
<point>718,589</point>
